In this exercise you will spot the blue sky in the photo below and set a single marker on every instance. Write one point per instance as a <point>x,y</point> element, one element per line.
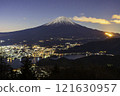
<point>22,14</point>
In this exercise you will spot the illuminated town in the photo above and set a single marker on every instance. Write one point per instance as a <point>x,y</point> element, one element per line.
<point>59,40</point>
<point>12,52</point>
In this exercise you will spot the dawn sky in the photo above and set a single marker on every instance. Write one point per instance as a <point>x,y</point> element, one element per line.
<point>21,14</point>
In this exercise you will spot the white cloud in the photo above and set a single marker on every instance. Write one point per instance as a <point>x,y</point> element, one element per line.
<point>91,19</point>
<point>116,21</point>
<point>115,16</point>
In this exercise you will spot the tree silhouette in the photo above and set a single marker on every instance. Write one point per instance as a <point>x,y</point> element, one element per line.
<point>4,69</point>
<point>13,75</point>
<point>27,72</point>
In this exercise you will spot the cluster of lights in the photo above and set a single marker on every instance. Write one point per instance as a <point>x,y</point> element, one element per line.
<point>109,34</point>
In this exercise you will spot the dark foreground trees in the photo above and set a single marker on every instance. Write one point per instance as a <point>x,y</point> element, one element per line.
<point>27,73</point>
<point>4,69</point>
<point>88,68</point>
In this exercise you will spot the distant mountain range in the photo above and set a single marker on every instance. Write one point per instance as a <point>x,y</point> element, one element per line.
<point>61,27</point>
<point>110,45</point>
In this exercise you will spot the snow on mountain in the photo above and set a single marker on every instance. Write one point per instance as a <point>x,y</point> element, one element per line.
<point>61,27</point>
<point>61,20</point>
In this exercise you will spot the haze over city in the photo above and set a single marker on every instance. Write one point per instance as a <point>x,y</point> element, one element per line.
<point>23,14</point>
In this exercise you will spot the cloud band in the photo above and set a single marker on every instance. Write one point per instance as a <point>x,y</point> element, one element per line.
<point>92,20</point>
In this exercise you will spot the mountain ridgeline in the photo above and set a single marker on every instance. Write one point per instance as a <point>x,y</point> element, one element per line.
<point>112,46</point>
<point>61,27</point>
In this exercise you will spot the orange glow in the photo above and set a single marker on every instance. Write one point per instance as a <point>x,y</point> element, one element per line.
<point>109,34</point>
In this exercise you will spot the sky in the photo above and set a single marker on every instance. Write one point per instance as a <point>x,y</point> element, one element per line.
<point>22,14</point>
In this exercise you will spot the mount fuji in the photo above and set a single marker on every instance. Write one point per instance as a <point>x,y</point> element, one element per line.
<point>61,27</point>
<point>61,20</point>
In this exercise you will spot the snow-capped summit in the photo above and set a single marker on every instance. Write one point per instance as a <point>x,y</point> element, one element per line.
<point>61,20</point>
<point>61,27</point>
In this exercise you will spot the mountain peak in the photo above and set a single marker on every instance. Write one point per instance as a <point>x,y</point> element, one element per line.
<point>61,20</point>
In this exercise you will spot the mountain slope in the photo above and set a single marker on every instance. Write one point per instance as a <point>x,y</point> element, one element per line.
<point>61,27</point>
<point>109,45</point>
